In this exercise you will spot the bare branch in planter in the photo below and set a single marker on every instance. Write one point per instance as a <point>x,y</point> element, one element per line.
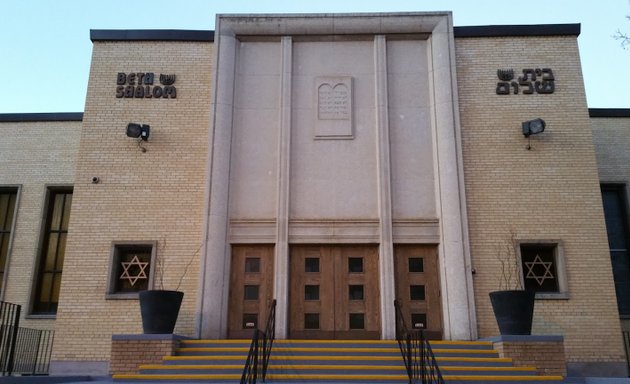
<point>506,254</point>
<point>181,278</point>
<point>160,264</point>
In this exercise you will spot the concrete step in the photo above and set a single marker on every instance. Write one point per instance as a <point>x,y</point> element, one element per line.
<point>332,361</point>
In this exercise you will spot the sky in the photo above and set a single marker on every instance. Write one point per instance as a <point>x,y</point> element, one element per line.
<point>45,47</point>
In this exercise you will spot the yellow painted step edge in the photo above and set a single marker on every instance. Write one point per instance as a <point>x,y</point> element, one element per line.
<point>503,378</point>
<point>405,377</point>
<point>335,366</point>
<point>346,377</point>
<point>195,366</point>
<point>366,378</point>
<point>346,357</point>
<point>179,377</point>
<point>290,341</point>
<point>306,349</point>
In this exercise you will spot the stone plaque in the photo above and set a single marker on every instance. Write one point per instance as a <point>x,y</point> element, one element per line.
<point>333,95</point>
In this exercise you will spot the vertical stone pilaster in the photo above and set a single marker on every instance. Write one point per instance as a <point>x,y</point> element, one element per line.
<point>215,273</point>
<point>386,249</point>
<point>281,264</point>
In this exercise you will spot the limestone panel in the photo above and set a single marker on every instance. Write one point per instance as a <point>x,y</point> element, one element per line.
<point>333,178</point>
<point>413,190</point>
<point>253,172</point>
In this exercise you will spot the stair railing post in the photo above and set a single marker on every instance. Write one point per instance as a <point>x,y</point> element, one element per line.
<point>423,360</point>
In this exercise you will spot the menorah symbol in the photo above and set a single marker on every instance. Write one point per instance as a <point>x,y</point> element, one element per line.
<point>505,74</point>
<point>167,79</point>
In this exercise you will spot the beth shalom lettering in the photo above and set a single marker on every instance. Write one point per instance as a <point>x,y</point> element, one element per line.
<point>141,85</point>
<point>532,81</point>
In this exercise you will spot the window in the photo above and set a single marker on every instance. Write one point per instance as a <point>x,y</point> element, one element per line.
<point>250,321</point>
<point>357,321</point>
<point>416,292</point>
<point>8,198</point>
<point>251,292</point>
<point>53,250</point>
<point>355,292</point>
<point>419,320</point>
<point>355,264</point>
<point>131,269</point>
<point>311,264</point>
<point>252,264</point>
<point>416,264</point>
<point>543,268</point>
<point>311,321</point>
<point>615,212</point>
<point>311,292</point>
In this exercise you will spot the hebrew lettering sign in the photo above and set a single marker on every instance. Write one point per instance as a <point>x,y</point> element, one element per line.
<point>141,85</point>
<point>333,95</point>
<point>532,81</point>
<point>333,103</point>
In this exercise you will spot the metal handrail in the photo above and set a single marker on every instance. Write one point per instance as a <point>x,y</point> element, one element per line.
<point>416,352</point>
<point>250,371</point>
<point>9,325</point>
<point>260,350</point>
<point>270,336</point>
<point>24,351</point>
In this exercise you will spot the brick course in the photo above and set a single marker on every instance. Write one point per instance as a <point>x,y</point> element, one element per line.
<point>128,352</point>
<point>546,356</point>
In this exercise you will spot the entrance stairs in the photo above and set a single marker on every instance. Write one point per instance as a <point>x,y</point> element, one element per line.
<point>327,361</point>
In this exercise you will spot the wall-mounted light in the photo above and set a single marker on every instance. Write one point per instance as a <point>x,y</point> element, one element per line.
<point>138,131</point>
<point>532,127</point>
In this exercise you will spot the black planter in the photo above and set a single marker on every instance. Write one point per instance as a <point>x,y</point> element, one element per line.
<point>514,311</point>
<point>159,310</point>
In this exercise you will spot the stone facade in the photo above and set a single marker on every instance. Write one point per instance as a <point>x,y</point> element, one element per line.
<point>208,180</point>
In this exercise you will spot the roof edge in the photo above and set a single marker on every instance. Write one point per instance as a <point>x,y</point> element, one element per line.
<point>29,117</point>
<point>609,112</point>
<point>151,35</point>
<point>518,30</point>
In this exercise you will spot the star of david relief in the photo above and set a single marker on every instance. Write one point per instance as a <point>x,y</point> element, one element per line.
<point>546,269</point>
<point>135,262</point>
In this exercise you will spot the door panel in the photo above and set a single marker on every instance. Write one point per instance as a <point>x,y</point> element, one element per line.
<point>251,289</point>
<point>334,292</point>
<point>417,287</point>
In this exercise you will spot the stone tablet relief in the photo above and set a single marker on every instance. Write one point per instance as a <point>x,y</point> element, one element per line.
<point>333,95</point>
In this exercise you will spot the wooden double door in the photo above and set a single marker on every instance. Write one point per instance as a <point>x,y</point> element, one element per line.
<point>334,292</point>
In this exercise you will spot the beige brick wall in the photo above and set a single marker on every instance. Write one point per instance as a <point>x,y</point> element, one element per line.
<point>157,195</point>
<point>548,192</point>
<point>33,155</point>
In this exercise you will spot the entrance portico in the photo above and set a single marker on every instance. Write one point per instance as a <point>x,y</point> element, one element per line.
<point>333,132</point>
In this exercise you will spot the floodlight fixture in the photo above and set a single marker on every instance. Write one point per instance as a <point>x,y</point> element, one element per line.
<point>138,131</point>
<point>533,127</point>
